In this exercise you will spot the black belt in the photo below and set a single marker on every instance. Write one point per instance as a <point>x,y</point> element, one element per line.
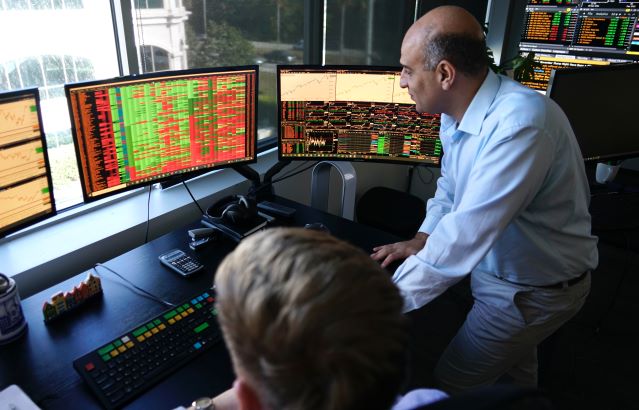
<point>565,283</point>
<point>561,285</point>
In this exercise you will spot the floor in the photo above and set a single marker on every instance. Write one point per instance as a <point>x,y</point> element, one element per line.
<point>592,362</point>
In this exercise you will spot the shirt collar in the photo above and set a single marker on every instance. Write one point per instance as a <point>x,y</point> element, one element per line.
<point>478,108</point>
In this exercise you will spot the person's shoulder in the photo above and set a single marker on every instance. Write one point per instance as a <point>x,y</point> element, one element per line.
<point>513,92</point>
<point>519,105</point>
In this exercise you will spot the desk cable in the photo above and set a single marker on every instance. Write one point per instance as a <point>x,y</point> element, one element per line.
<point>254,191</point>
<point>148,215</point>
<point>139,289</point>
<point>192,197</point>
<point>419,174</point>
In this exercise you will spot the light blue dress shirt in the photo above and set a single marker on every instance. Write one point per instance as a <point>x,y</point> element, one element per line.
<point>512,199</point>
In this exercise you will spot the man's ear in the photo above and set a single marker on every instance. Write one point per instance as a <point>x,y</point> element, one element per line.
<point>446,74</point>
<point>246,395</point>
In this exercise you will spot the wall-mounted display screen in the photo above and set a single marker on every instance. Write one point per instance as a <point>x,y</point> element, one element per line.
<point>579,33</point>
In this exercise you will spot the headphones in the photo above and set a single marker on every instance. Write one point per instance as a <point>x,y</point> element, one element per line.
<point>236,209</point>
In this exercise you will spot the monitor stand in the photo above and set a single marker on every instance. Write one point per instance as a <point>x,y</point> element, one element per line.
<point>248,173</point>
<point>261,189</point>
<point>320,186</point>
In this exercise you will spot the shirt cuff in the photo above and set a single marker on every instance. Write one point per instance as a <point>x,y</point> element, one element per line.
<point>420,283</point>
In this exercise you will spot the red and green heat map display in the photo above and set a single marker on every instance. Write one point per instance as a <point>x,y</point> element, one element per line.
<point>133,132</point>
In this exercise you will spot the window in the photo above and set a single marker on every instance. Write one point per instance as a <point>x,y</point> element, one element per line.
<point>214,33</point>
<point>39,4</point>
<point>149,4</point>
<point>48,72</point>
<point>45,44</point>
<point>366,32</point>
<point>154,59</point>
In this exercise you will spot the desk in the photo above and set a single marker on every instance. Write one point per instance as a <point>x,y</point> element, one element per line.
<point>41,361</point>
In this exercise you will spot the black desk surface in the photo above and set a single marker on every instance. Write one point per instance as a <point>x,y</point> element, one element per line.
<point>40,362</point>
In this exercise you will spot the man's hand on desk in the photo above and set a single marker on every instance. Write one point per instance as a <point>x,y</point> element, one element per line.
<point>386,254</point>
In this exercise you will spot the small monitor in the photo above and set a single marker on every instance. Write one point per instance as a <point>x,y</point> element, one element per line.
<point>137,130</point>
<point>600,103</point>
<point>352,113</point>
<point>26,194</point>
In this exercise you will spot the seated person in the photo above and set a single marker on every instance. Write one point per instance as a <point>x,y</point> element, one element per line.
<point>311,322</point>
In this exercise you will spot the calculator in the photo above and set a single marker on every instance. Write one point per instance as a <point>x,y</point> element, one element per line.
<point>178,261</point>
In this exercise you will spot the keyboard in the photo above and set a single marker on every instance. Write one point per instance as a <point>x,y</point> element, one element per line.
<point>125,367</point>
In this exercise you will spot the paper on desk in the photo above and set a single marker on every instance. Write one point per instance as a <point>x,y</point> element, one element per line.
<point>13,398</point>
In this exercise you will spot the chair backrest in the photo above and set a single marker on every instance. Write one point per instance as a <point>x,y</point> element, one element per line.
<point>391,210</point>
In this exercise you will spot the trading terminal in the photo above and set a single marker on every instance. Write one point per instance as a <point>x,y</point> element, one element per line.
<point>173,173</point>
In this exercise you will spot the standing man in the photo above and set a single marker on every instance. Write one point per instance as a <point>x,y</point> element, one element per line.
<point>511,207</point>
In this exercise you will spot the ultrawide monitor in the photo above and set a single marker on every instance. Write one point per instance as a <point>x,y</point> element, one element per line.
<point>600,103</point>
<point>352,113</point>
<point>26,195</point>
<point>137,130</point>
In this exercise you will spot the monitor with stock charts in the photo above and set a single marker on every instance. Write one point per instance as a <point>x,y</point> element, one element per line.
<point>26,195</point>
<point>352,113</point>
<point>133,131</point>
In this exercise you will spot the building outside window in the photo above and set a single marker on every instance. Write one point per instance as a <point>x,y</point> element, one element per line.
<point>366,32</point>
<point>45,44</point>
<point>160,37</point>
<point>219,33</point>
<point>154,59</point>
<point>149,4</point>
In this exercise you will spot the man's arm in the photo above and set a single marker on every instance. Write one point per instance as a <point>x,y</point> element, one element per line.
<point>438,206</point>
<point>505,177</point>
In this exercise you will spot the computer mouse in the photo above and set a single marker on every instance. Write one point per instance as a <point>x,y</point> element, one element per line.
<point>317,226</point>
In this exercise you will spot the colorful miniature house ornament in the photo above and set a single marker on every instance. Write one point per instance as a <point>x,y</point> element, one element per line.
<point>65,301</point>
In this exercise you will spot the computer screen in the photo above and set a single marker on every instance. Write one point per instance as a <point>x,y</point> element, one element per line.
<point>133,131</point>
<point>578,33</point>
<point>354,114</point>
<point>600,103</point>
<point>26,194</point>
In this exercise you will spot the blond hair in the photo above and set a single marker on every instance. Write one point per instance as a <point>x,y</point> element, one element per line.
<point>312,322</point>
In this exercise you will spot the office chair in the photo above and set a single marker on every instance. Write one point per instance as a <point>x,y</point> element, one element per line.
<point>391,210</point>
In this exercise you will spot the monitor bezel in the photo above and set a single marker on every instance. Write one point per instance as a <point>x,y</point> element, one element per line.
<point>184,175</point>
<point>17,95</point>
<point>594,68</point>
<point>377,160</point>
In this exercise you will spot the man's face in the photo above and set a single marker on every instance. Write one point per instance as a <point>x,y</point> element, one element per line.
<point>422,84</point>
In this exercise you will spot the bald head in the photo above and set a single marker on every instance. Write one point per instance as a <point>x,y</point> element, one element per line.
<point>449,20</point>
<point>450,33</point>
